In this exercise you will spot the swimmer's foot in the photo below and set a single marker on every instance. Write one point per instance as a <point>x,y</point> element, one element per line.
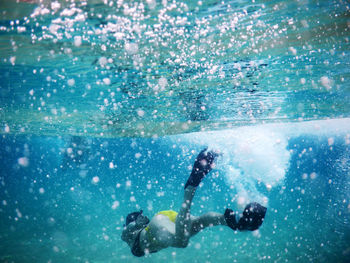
<point>202,166</point>
<point>230,218</point>
<point>252,218</point>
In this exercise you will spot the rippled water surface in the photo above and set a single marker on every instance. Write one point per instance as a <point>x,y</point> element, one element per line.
<point>124,68</point>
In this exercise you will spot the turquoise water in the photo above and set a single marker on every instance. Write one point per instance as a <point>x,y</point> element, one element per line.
<point>158,68</point>
<point>60,206</point>
<point>105,104</point>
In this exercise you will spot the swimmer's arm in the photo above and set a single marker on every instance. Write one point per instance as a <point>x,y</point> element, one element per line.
<point>124,235</point>
<point>129,233</point>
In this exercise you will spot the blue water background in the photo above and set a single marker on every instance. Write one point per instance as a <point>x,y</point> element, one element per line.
<point>53,210</point>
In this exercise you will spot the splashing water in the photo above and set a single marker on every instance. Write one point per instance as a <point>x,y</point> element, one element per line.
<point>249,156</point>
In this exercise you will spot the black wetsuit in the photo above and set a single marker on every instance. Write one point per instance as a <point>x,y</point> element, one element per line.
<point>136,249</point>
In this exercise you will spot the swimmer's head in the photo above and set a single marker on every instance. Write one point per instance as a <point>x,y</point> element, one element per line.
<point>134,222</point>
<point>138,218</point>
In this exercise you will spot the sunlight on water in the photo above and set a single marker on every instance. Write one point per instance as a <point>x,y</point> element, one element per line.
<point>114,68</point>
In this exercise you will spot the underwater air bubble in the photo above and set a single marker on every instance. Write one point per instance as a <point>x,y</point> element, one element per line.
<point>115,205</point>
<point>23,161</point>
<point>77,41</point>
<point>326,82</point>
<point>112,165</point>
<point>131,48</point>
<point>95,180</point>
<point>71,82</point>
<point>107,81</point>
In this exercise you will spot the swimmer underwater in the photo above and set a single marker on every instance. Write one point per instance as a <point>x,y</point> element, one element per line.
<point>172,229</point>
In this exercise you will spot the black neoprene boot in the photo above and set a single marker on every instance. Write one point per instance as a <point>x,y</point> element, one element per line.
<point>252,218</point>
<point>201,167</point>
<point>230,218</point>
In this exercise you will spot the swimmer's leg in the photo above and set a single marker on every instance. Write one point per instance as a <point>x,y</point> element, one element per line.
<point>206,220</point>
<point>183,219</point>
<point>183,224</point>
<point>251,219</point>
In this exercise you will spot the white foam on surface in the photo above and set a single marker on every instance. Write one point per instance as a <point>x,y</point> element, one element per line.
<point>258,155</point>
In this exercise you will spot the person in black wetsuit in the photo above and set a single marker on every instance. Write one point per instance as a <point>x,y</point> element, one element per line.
<point>171,229</point>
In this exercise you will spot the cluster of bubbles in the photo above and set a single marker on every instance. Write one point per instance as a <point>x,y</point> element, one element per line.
<point>189,65</point>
